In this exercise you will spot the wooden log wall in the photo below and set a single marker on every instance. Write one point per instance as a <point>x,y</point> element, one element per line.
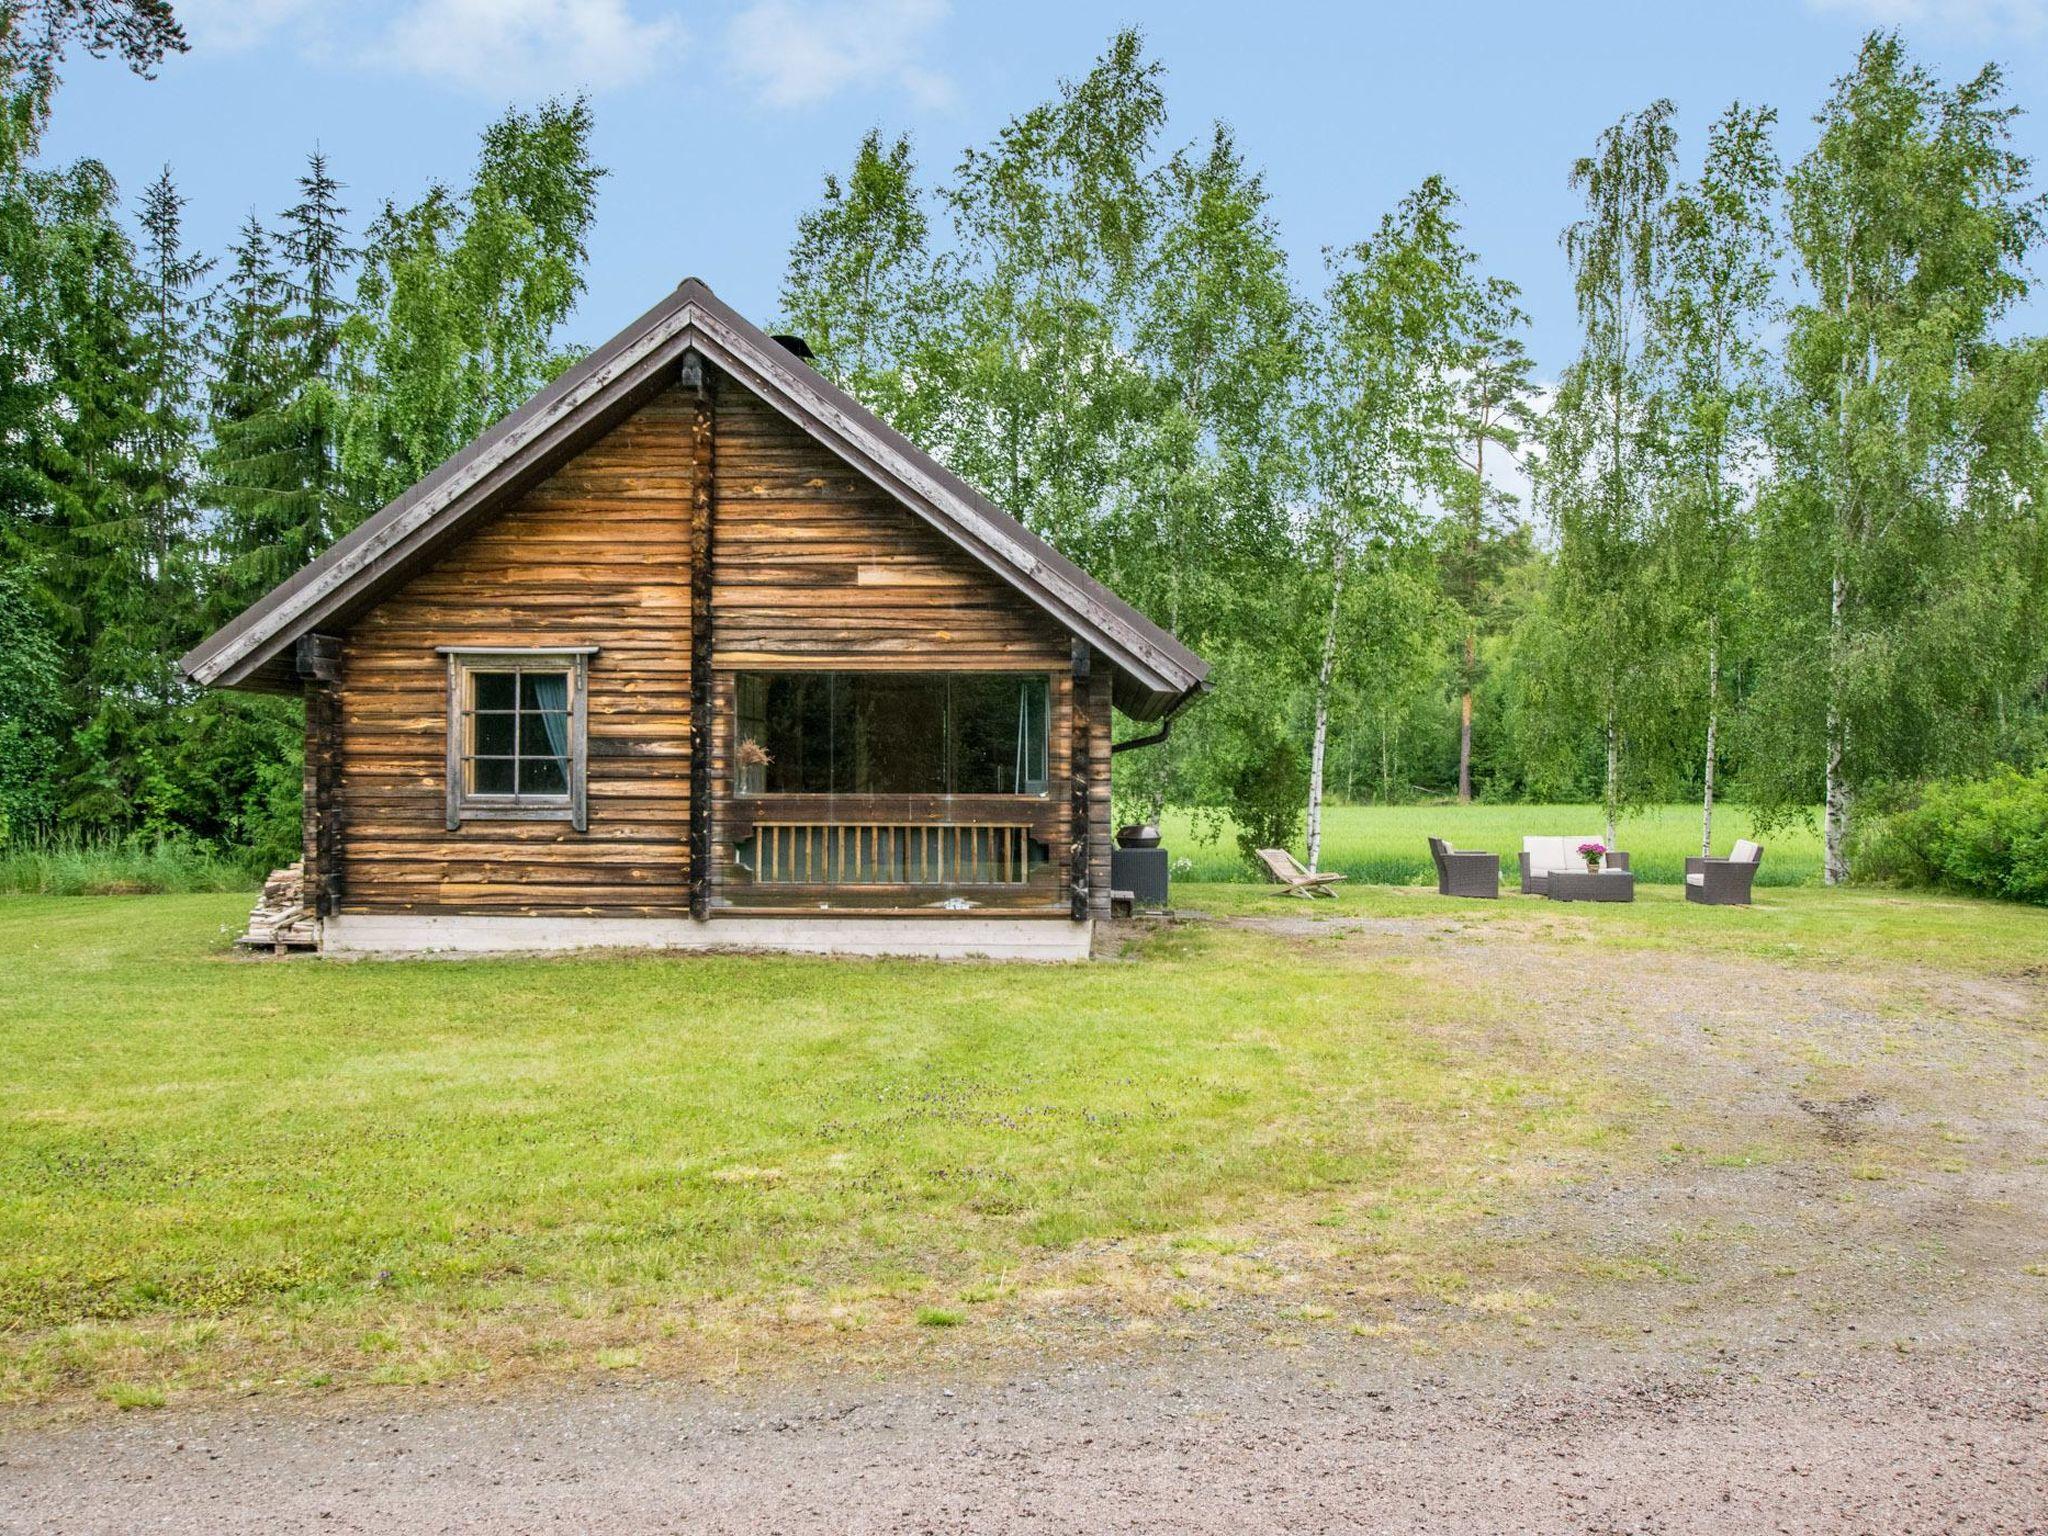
<point>811,567</point>
<point>596,554</point>
<point>816,568</point>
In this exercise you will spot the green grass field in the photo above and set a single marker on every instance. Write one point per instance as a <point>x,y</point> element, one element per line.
<point>217,1170</point>
<point>1389,845</point>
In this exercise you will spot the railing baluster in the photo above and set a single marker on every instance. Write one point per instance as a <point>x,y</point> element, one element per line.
<point>892,853</point>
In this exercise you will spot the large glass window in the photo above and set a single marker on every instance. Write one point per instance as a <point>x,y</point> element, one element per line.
<point>893,733</point>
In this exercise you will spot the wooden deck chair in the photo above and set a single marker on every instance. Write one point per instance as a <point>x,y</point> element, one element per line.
<point>1283,867</point>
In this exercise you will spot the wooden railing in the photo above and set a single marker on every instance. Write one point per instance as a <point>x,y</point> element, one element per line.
<point>866,853</point>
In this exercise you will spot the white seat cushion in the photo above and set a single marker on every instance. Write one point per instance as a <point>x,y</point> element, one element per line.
<point>1695,879</point>
<point>1547,854</point>
<point>1745,852</point>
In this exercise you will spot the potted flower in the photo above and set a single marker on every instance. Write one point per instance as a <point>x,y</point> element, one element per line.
<point>1592,853</point>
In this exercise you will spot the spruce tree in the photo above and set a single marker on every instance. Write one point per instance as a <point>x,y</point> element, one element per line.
<point>274,470</point>
<point>97,568</point>
<point>171,363</point>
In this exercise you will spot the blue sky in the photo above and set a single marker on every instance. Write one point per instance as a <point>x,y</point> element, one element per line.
<point>718,117</point>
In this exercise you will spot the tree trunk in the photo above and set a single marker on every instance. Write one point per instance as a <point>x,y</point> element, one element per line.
<point>1465,720</point>
<point>1324,674</point>
<point>1713,729</point>
<point>1387,760</point>
<point>1613,793</point>
<point>1835,854</point>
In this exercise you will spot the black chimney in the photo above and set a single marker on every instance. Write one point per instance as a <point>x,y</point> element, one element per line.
<point>797,346</point>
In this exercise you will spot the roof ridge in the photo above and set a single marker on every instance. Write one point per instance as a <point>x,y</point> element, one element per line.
<point>556,418</point>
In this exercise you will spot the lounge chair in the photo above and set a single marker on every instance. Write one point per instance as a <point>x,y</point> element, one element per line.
<point>1464,873</point>
<point>1543,856</point>
<point>1724,882</point>
<point>1284,867</point>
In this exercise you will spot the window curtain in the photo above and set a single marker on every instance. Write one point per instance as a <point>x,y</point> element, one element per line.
<point>1024,757</point>
<point>551,693</point>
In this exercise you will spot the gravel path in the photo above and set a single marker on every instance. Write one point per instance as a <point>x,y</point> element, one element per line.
<point>1191,1441</point>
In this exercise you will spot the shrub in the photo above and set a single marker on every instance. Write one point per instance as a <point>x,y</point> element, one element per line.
<point>1268,794</point>
<point>1986,836</point>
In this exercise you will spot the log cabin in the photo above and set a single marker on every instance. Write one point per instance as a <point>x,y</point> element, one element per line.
<point>693,651</point>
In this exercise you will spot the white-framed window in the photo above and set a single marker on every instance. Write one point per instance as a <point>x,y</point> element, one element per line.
<point>518,734</point>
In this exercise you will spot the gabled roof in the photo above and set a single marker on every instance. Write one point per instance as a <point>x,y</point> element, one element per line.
<point>1153,670</point>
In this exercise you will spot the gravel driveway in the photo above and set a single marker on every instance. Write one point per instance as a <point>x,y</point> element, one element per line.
<point>1185,1441</point>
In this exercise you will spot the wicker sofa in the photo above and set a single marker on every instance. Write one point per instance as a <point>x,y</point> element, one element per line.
<point>1724,882</point>
<point>1463,873</point>
<point>1543,856</point>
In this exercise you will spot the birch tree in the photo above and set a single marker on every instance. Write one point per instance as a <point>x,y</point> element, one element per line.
<point>1714,361</point>
<point>1902,538</point>
<point>862,285</point>
<point>1381,419</point>
<point>1602,455</point>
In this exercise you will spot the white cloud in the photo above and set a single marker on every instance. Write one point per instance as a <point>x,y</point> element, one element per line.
<point>1971,18</point>
<point>797,53</point>
<point>501,46</point>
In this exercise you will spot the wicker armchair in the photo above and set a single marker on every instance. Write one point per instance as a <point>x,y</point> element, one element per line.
<point>1465,874</point>
<point>1724,882</point>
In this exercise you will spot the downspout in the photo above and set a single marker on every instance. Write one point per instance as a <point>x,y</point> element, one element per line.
<point>1165,724</point>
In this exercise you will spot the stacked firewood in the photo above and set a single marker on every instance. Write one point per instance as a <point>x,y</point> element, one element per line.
<point>281,919</point>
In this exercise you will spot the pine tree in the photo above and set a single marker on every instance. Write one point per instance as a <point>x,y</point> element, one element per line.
<point>1480,535</point>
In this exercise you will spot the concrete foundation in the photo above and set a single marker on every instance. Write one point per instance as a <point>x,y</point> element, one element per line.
<point>934,938</point>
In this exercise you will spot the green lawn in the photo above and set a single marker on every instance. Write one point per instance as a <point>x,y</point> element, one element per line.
<point>216,1170</point>
<point>1389,845</point>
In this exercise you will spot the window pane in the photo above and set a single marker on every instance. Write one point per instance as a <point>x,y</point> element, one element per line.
<point>543,690</point>
<point>542,776</point>
<point>890,733</point>
<point>491,776</point>
<point>998,735</point>
<point>493,735</point>
<point>544,735</point>
<point>896,741</point>
<point>494,690</point>
<point>797,729</point>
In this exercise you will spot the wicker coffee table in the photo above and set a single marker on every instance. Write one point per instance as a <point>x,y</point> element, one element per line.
<point>1577,885</point>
